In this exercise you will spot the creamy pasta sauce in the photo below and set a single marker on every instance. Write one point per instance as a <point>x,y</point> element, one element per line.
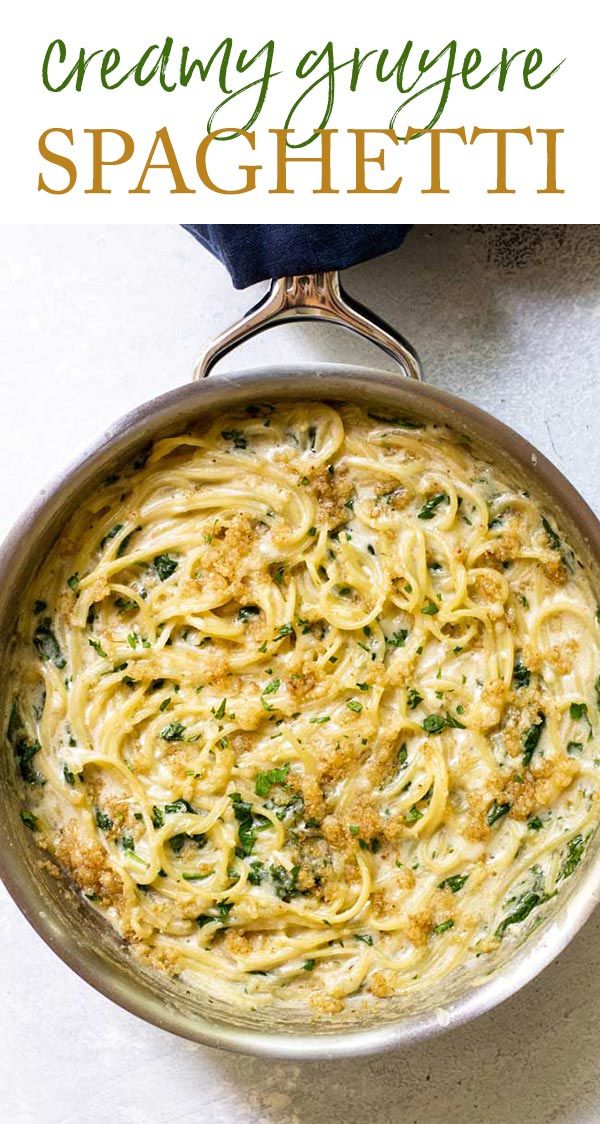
<point>306,703</point>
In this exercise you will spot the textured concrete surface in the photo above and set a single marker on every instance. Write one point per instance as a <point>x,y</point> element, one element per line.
<point>93,320</point>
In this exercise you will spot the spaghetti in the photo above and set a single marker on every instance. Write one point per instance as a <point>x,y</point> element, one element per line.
<point>306,703</point>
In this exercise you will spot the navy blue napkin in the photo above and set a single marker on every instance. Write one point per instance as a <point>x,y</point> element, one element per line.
<point>260,252</point>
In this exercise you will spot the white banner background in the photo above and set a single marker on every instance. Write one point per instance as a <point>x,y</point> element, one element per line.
<point>568,101</point>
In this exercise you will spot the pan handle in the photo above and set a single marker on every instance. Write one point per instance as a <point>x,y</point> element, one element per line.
<point>311,296</point>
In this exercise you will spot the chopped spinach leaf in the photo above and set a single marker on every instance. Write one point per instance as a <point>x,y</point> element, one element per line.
<point>111,534</point>
<point>104,822</point>
<point>495,812</point>
<point>29,819</point>
<point>395,419</point>
<point>236,437</point>
<point>531,738</point>
<point>25,752</point>
<point>246,612</point>
<point>455,882</point>
<point>47,645</point>
<point>164,566</point>
<point>551,535</point>
<point>397,639</point>
<point>521,674</point>
<point>284,881</point>
<point>255,873</point>
<point>249,824</point>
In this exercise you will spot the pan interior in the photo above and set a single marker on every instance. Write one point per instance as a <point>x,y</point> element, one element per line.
<point>79,935</point>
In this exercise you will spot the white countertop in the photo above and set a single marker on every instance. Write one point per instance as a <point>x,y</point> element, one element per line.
<point>93,321</point>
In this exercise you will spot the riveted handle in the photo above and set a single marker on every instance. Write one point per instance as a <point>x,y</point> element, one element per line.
<point>311,296</point>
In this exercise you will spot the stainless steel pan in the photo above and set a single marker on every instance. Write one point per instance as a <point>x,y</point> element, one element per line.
<point>61,916</point>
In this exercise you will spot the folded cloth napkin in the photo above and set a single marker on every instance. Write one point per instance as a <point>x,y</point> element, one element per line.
<point>260,252</point>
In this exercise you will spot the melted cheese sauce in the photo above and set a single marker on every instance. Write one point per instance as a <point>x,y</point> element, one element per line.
<point>307,704</point>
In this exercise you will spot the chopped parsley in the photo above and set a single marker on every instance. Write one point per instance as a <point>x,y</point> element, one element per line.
<point>397,639</point>
<point>455,882</point>
<point>270,689</point>
<point>97,646</point>
<point>429,608</point>
<point>413,698</point>
<point>431,505</point>
<point>434,723</point>
<point>29,819</point>
<point>285,630</point>
<point>443,926</point>
<point>158,817</point>
<point>103,821</point>
<point>355,705</point>
<point>265,781</point>
<point>174,732</point>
